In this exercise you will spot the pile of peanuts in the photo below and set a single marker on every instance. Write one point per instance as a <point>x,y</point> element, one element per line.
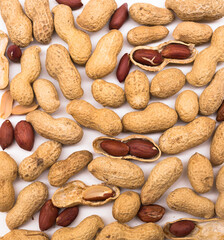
<point>148,137</point>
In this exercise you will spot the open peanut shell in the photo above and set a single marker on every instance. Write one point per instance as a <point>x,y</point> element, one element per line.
<point>97,148</point>
<point>166,61</point>
<point>78,193</point>
<point>212,229</point>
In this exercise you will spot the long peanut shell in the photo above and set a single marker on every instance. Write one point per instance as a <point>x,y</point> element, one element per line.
<point>117,172</point>
<point>180,138</point>
<point>25,235</point>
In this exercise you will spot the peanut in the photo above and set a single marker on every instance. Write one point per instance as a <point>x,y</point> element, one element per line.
<point>161,178</point>
<point>108,94</point>
<point>192,32</point>
<point>46,95</point>
<point>96,14</point>
<point>220,113</point>
<point>212,97</point>
<point>187,105</point>
<point>6,105</point>
<point>133,147</point>
<point>79,43</point>
<point>61,171</point>
<point>151,213</point>
<point>7,176</point>
<point>20,87</point>
<point>6,134</point>
<point>4,63</point>
<point>29,201</point>
<point>219,206</point>
<point>203,70</point>
<point>73,4</point>
<point>148,14</point>
<point>25,235</point>
<point>17,23</point>
<point>117,172</point>
<point>60,67</point>
<point>136,89</point>
<point>14,53</point>
<point>67,216</point>
<point>147,231</point>
<point>104,58</point>
<point>39,12</point>
<point>22,110</point>
<point>154,59</point>
<point>126,206</point>
<point>156,117</point>
<point>86,230</point>
<point>200,173</point>
<point>103,120</point>
<point>191,228</point>
<point>62,130</point>
<point>77,193</point>
<point>199,10</point>
<point>185,200</point>
<point>123,68</point>
<point>119,17</point>
<point>180,138</point>
<point>45,156</point>
<point>167,83</point>
<point>217,146</point>
<point>143,35</point>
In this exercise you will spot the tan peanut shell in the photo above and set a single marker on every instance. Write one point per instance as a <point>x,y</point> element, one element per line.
<point>160,179</point>
<point>61,171</point>
<point>96,14</point>
<point>108,94</point>
<point>126,206</point>
<point>79,42</point>
<point>212,229</point>
<point>29,201</point>
<point>197,10</point>
<point>187,105</point>
<point>147,231</point>
<point>156,117</point>
<point>20,86</point>
<point>60,67</point>
<point>192,32</point>
<point>71,194</point>
<point>97,148</point>
<point>205,63</point>
<point>136,89</point>
<point>186,200</point>
<point>39,12</point>
<point>62,130</point>
<point>117,172</point>
<point>200,173</point>
<point>45,156</point>
<point>86,230</point>
<point>104,58</point>
<point>219,205</point>
<point>4,63</point>
<point>166,61</point>
<point>25,235</point>
<point>212,97</point>
<point>180,138</point>
<point>8,175</point>
<point>17,23</point>
<point>143,34</point>
<point>167,83</point>
<point>148,14</point>
<point>103,120</point>
<point>217,146</point>
<point>46,95</point>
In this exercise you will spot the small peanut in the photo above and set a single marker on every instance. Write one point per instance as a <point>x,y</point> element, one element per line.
<point>124,67</point>
<point>108,94</point>
<point>119,17</point>
<point>136,89</point>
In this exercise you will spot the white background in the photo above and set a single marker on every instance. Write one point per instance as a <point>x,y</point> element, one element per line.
<point>89,135</point>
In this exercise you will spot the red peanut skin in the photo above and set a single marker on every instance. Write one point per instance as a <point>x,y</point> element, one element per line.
<point>14,53</point>
<point>182,228</point>
<point>67,216</point>
<point>119,17</point>
<point>6,134</point>
<point>73,4</point>
<point>123,67</point>
<point>153,56</point>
